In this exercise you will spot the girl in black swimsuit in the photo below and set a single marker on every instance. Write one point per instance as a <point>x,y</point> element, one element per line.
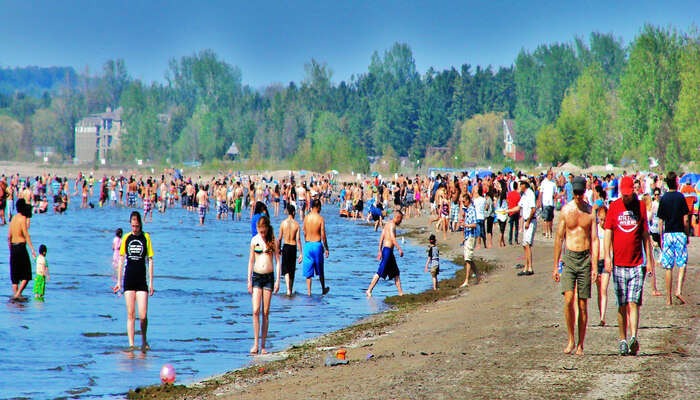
<point>137,250</point>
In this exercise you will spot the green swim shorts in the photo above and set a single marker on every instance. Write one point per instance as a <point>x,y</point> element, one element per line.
<point>577,272</point>
<point>239,202</point>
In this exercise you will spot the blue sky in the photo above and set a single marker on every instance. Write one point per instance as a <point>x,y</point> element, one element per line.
<point>271,40</point>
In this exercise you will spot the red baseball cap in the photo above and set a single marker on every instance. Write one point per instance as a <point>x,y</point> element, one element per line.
<point>626,185</point>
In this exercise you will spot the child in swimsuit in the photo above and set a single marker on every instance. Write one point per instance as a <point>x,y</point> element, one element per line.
<point>263,279</point>
<point>433,260</point>
<point>42,273</point>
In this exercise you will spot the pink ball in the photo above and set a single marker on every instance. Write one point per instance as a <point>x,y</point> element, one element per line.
<point>167,374</point>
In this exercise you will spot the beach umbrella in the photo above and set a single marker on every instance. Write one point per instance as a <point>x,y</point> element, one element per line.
<point>690,178</point>
<point>507,170</point>
<point>484,173</point>
<point>375,173</point>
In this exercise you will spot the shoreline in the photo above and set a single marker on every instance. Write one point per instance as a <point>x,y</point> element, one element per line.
<point>350,337</point>
<point>501,338</point>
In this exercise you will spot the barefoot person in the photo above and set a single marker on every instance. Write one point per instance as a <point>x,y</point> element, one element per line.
<point>577,226</point>
<point>626,230</point>
<point>262,279</point>
<point>387,266</point>
<point>674,230</point>
<point>290,242</point>
<point>203,202</point>
<point>136,250</point>
<point>314,244</point>
<point>17,239</point>
<point>470,234</point>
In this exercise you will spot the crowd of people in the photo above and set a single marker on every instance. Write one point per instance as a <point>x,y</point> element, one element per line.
<point>610,228</point>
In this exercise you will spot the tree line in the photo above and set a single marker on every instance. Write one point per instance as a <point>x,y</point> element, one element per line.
<point>586,101</point>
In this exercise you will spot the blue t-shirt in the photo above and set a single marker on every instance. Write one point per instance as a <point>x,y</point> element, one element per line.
<point>612,189</point>
<point>254,224</point>
<point>55,187</point>
<point>470,219</point>
<point>569,189</point>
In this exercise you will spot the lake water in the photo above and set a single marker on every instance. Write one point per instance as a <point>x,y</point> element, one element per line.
<point>74,343</point>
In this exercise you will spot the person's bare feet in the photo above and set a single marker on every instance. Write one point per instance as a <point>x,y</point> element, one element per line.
<point>680,298</point>
<point>569,348</point>
<point>465,284</point>
<point>263,351</point>
<point>368,293</point>
<point>145,347</point>
<point>655,292</point>
<point>254,350</point>
<point>579,351</point>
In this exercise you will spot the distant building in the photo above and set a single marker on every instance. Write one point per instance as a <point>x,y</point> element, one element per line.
<point>97,135</point>
<point>509,147</point>
<point>232,153</point>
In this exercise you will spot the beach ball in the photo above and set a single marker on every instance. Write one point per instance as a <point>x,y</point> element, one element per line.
<point>167,374</point>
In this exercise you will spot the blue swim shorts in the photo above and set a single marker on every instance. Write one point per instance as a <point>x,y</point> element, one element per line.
<point>387,267</point>
<point>313,259</point>
<point>674,250</point>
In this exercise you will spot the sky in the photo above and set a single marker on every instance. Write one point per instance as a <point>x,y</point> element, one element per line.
<point>270,41</point>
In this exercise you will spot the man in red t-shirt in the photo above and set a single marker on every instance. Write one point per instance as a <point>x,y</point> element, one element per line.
<point>626,230</point>
<point>513,198</point>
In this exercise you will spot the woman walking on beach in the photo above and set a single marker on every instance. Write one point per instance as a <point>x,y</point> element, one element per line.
<point>262,279</point>
<point>136,249</point>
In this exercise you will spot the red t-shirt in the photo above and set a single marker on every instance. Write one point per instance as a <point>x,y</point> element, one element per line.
<point>627,233</point>
<point>513,198</point>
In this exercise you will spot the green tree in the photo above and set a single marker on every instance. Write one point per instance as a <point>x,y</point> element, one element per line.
<point>649,89</point>
<point>481,138</point>
<point>687,116</point>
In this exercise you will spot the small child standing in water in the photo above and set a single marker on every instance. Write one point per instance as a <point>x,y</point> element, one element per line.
<point>42,273</point>
<point>433,260</point>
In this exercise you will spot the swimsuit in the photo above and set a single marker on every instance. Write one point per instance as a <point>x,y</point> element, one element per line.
<point>202,211</point>
<point>289,258</point>
<point>20,266</point>
<point>40,285</point>
<point>238,203</point>
<point>387,267</point>
<point>263,281</point>
<point>136,248</point>
<point>313,259</point>
<point>131,199</point>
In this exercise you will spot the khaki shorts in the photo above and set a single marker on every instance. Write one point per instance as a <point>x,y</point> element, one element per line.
<point>577,273</point>
<point>529,233</point>
<point>469,244</point>
<point>434,271</point>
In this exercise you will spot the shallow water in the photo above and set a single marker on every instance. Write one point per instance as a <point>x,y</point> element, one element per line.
<point>74,343</point>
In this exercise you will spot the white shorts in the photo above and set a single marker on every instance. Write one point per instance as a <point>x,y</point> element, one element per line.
<point>529,233</point>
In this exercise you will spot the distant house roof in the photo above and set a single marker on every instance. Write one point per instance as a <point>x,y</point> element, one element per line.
<point>233,150</point>
<point>96,119</point>
<point>510,126</point>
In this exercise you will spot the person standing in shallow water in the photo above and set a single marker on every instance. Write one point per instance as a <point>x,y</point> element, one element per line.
<point>262,279</point>
<point>137,251</point>
<point>17,239</point>
<point>314,244</point>
<point>387,266</point>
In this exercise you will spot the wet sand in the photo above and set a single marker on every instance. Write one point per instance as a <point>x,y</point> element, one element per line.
<point>502,338</point>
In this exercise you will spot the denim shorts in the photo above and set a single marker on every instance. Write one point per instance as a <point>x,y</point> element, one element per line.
<point>264,281</point>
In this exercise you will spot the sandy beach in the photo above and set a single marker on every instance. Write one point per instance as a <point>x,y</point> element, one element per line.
<point>502,338</point>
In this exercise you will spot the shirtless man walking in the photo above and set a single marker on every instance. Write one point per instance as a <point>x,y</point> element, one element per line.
<point>387,266</point>
<point>238,200</point>
<point>17,239</point>
<point>577,226</point>
<point>289,242</point>
<point>203,202</point>
<point>314,235</point>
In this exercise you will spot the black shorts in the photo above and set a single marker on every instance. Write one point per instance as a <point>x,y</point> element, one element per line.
<point>489,225</point>
<point>359,206</point>
<point>548,213</point>
<point>656,238</point>
<point>264,281</point>
<point>135,279</point>
<point>289,259</point>
<point>20,266</point>
<point>502,226</point>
